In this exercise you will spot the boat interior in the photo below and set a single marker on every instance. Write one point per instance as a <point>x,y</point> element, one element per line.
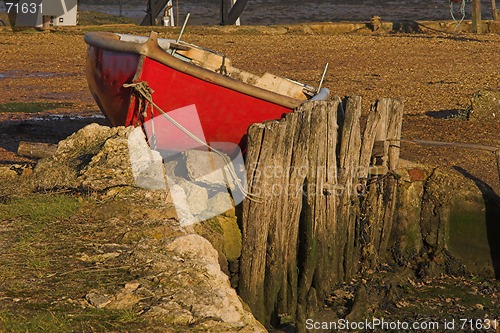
<point>219,63</point>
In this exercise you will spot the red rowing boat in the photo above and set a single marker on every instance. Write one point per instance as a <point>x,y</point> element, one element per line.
<point>179,92</point>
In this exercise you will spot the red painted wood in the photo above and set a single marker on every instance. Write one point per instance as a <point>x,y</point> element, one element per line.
<point>224,114</point>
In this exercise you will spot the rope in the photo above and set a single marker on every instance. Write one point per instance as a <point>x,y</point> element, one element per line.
<point>462,12</point>
<point>146,92</point>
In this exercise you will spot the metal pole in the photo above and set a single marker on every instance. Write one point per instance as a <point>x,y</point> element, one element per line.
<point>494,10</point>
<point>183,27</point>
<point>182,31</point>
<point>322,78</point>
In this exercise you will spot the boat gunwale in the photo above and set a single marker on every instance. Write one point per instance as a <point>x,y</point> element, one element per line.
<point>112,42</point>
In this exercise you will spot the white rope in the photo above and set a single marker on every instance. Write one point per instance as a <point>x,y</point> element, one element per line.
<point>143,89</point>
<point>462,12</point>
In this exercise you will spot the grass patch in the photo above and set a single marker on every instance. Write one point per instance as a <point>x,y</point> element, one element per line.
<point>67,320</point>
<point>39,208</point>
<point>32,107</point>
<point>39,322</point>
<point>30,224</point>
<point>42,280</point>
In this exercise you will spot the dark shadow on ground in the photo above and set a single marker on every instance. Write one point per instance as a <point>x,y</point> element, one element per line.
<point>492,204</point>
<point>449,114</point>
<point>48,129</point>
<point>414,27</point>
<point>406,26</point>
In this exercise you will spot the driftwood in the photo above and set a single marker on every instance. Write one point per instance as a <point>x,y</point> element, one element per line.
<point>36,150</point>
<point>452,144</point>
<point>313,170</point>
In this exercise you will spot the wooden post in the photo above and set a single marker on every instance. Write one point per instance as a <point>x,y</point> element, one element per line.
<point>476,17</point>
<point>394,126</point>
<point>494,10</point>
<point>45,22</point>
<point>238,21</point>
<point>319,238</point>
<point>291,165</point>
<point>224,11</point>
<point>305,233</point>
<point>348,178</point>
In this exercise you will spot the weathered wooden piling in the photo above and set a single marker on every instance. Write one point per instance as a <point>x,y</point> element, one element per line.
<point>318,212</point>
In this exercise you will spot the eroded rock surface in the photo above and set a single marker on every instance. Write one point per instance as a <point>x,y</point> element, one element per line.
<point>179,286</point>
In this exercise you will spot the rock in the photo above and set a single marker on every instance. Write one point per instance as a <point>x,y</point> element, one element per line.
<point>208,168</point>
<point>179,282</point>
<point>449,216</point>
<point>101,159</point>
<point>224,234</point>
<point>110,167</point>
<point>196,196</point>
<point>97,158</point>
<point>196,202</point>
<point>126,298</point>
<point>182,207</point>
<point>14,170</point>
<point>7,172</point>
<point>98,300</point>
<point>147,164</point>
<point>180,285</point>
<point>485,105</point>
<point>220,301</point>
<point>221,203</point>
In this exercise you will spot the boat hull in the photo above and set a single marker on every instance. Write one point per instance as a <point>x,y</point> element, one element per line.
<point>107,72</point>
<point>224,114</point>
<point>215,112</point>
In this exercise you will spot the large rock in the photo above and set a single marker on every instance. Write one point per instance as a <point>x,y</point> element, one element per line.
<point>179,286</point>
<point>207,180</point>
<point>485,105</point>
<point>97,158</point>
<point>449,219</point>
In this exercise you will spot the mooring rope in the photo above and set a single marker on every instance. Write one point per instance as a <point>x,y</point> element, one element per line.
<point>146,92</point>
<point>462,12</point>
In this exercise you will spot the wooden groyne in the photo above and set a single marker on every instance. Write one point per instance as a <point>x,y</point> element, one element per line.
<point>328,198</point>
